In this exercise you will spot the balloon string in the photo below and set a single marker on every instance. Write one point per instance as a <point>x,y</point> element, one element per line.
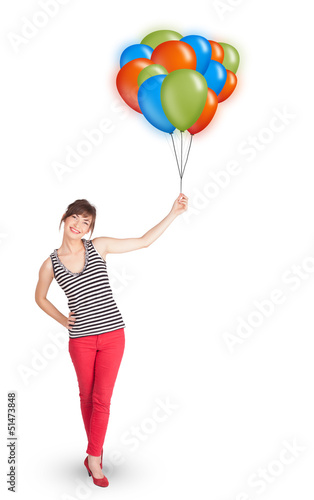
<point>187,156</point>
<point>181,151</point>
<point>181,161</point>
<point>175,152</point>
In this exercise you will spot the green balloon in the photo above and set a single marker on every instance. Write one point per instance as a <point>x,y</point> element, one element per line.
<point>231,58</point>
<point>160,36</point>
<point>151,70</point>
<point>183,96</point>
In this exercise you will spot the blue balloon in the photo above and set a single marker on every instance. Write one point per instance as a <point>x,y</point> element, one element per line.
<point>202,49</point>
<point>150,103</point>
<point>216,76</point>
<point>134,52</point>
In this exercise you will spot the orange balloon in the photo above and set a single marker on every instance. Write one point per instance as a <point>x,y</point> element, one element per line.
<point>218,52</point>
<point>127,81</point>
<point>207,113</point>
<point>174,54</point>
<point>228,87</point>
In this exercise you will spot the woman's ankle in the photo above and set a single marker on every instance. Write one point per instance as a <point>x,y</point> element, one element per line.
<point>94,460</point>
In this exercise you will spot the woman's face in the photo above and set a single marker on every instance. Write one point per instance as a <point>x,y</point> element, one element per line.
<point>76,226</point>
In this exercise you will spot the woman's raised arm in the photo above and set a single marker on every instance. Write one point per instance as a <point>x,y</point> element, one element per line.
<point>120,245</point>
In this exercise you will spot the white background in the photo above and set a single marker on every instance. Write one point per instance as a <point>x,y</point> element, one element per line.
<point>234,409</point>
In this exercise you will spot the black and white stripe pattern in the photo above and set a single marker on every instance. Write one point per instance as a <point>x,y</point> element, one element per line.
<point>89,294</point>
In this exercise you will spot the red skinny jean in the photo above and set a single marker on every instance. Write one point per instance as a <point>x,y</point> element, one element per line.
<point>96,359</point>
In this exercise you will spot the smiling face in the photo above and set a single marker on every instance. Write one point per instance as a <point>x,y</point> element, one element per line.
<point>76,226</point>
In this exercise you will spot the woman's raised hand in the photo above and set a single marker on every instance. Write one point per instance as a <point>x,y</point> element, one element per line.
<point>180,204</point>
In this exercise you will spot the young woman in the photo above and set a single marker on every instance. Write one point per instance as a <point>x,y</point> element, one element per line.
<point>94,323</point>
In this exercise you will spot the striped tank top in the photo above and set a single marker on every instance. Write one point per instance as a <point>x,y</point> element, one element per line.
<point>89,294</point>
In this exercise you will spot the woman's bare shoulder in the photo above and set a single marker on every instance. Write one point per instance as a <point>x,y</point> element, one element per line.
<point>46,267</point>
<point>100,244</point>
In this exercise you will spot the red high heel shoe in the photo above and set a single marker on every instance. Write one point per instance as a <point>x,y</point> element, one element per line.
<point>99,482</point>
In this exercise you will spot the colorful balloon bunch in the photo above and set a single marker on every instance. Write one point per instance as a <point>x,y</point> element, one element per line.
<point>177,81</point>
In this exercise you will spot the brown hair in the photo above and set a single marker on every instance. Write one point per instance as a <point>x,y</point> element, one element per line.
<point>81,207</point>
